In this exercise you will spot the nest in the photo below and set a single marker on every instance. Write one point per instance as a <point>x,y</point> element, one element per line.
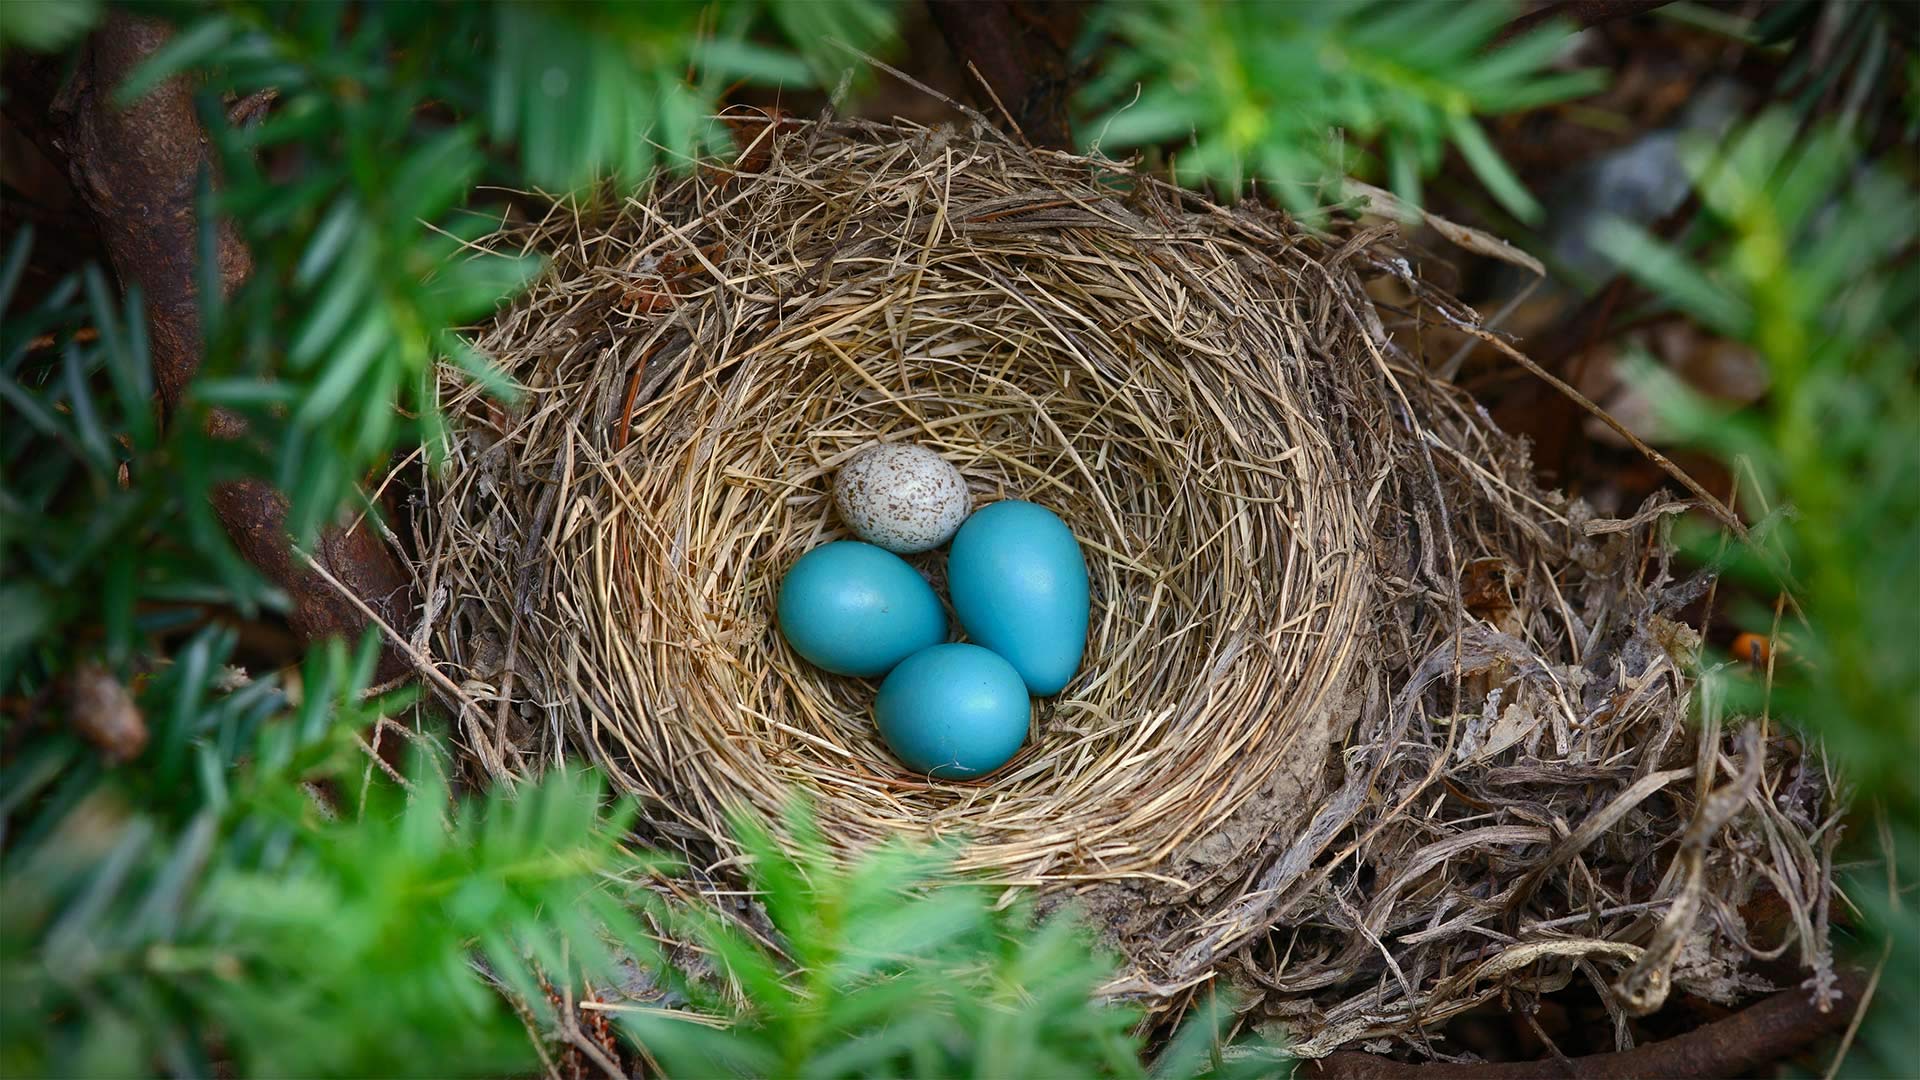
<point>1369,725</point>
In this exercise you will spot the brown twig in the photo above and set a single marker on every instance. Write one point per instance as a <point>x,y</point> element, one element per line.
<point>421,662</point>
<point>255,516</point>
<point>1764,1032</point>
<point>1546,417</point>
<point>1666,465</point>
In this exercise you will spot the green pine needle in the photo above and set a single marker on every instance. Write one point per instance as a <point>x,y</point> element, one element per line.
<point>1278,92</point>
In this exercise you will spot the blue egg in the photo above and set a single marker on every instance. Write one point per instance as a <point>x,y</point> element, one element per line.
<point>1019,587</point>
<point>855,609</point>
<point>953,711</point>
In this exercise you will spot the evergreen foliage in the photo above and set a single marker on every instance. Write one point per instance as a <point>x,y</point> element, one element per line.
<point>357,193</point>
<point>1275,92</point>
<point>253,889</point>
<point>96,563</point>
<point>252,894</point>
<point>46,26</point>
<point>883,976</point>
<point>1805,252</point>
<point>1814,271</point>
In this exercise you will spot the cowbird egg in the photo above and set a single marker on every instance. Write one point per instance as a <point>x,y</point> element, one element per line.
<point>902,497</point>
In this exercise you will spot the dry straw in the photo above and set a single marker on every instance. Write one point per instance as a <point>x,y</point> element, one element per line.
<point>1369,725</point>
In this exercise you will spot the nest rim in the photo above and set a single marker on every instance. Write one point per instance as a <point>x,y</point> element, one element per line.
<point>1180,450</point>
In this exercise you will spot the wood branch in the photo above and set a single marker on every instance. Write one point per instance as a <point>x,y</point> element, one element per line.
<point>1737,1045</point>
<point>255,517</point>
<point>1020,48</point>
<point>1581,13</point>
<point>138,168</point>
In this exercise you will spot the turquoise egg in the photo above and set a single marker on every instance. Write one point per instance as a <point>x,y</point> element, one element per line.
<point>953,711</point>
<point>855,609</point>
<point>1019,587</point>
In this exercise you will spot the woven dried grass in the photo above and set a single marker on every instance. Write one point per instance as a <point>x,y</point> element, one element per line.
<point>1369,725</point>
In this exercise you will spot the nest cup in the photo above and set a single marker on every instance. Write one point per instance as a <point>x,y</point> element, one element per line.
<point>1082,362</point>
<point>1312,565</point>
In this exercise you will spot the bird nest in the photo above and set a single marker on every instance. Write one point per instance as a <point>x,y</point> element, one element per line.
<point>1368,724</point>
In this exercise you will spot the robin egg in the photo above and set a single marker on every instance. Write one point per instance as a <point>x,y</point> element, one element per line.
<point>901,497</point>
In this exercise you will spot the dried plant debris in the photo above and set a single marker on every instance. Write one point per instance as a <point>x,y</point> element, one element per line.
<point>1370,726</point>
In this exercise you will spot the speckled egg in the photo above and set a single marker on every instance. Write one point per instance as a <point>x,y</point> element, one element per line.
<point>901,497</point>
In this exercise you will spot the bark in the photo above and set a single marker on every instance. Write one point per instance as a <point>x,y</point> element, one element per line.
<point>138,168</point>
<point>1737,1045</point>
<point>255,516</point>
<point>1020,48</point>
<point>34,168</point>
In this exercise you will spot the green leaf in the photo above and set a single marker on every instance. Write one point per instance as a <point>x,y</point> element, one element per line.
<point>1191,1050</point>
<point>348,292</point>
<point>47,24</point>
<point>15,265</point>
<point>67,938</point>
<point>1153,119</point>
<point>1492,170</point>
<point>788,895</point>
<point>744,962</point>
<point>435,175</point>
<point>914,929</point>
<point>330,237</point>
<point>31,408</point>
<point>1663,270</point>
<point>86,418</point>
<point>734,59</point>
<point>690,1049</point>
<point>244,393</point>
<point>29,613</point>
<point>163,912</point>
<point>128,366</point>
<point>868,1052</point>
<point>355,358</point>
